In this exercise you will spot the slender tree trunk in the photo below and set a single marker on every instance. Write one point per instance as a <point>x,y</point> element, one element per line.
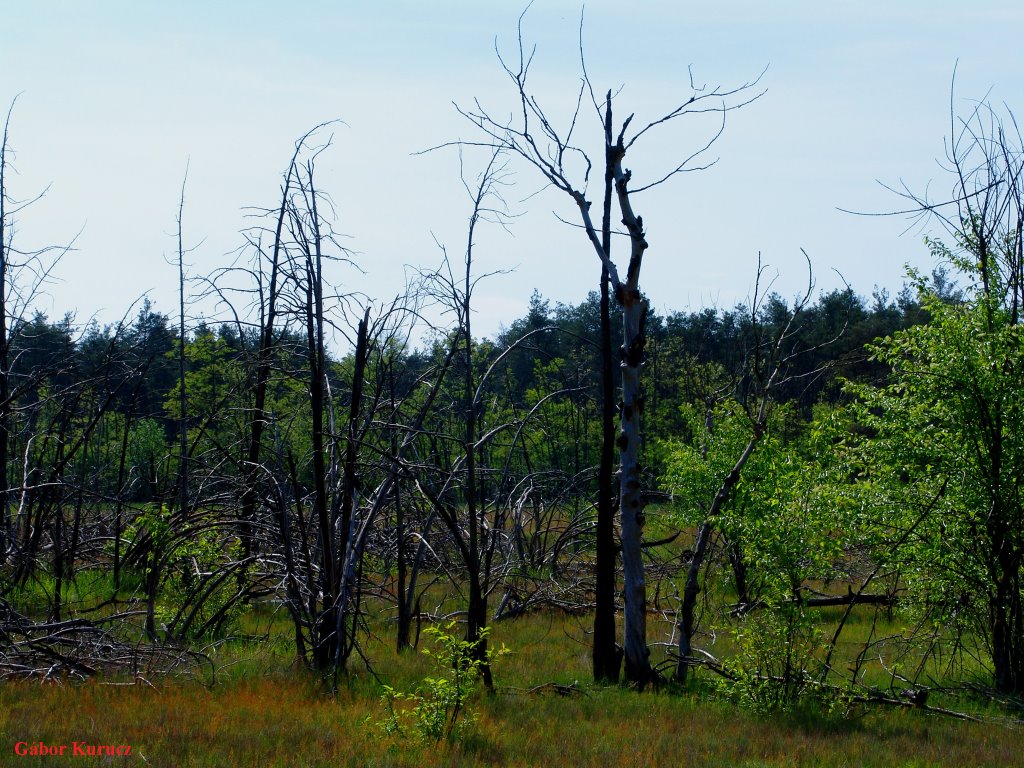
<point>349,548</point>
<point>607,657</point>
<point>6,527</point>
<point>326,637</point>
<point>58,562</point>
<point>182,394</point>
<point>685,624</point>
<point>119,503</point>
<point>404,622</point>
<point>631,504</point>
<point>264,364</point>
<point>477,608</point>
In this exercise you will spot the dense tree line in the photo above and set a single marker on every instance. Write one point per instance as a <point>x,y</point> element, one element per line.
<point>551,350</point>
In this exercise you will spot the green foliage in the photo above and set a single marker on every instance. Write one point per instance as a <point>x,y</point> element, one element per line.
<point>787,528</point>
<point>785,519</point>
<point>88,587</point>
<point>188,560</point>
<point>437,709</point>
<point>777,654</point>
<point>939,455</point>
<point>214,383</point>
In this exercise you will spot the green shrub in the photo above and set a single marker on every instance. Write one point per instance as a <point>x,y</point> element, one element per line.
<point>776,652</point>
<point>437,709</point>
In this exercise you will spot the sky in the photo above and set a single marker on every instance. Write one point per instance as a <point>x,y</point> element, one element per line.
<point>116,98</point>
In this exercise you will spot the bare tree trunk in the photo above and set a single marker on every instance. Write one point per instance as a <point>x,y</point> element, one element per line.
<point>326,636</point>
<point>119,502</point>
<point>534,137</point>
<point>404,622</point>
<point>631,505</point>
<point>182,394</point>
<point>477,609</point>
<point>349,548</point>
<point>264,364</point>
<point>6,527</point>
<point>607,657</point>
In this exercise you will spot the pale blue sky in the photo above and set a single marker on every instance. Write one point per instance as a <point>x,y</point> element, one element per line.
<point>117,95</point>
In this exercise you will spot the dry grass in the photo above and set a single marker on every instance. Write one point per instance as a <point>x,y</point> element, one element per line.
<point>261,713</point>
<point>285,722</point>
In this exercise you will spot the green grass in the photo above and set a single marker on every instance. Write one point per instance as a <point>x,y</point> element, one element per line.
<point>89,587</point>
<point>260,710</point>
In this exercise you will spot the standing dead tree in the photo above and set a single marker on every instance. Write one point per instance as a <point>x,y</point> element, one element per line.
<point>183,391</point>
<point>315,474</point>
<point>295,310</point>
<point>23,272</point>
<point>564,164</point>
<point>475,539</point>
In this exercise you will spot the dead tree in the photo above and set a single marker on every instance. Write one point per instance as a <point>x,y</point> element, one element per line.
<point>23,272</point>
<point>474,537</point>
<point>183,392</point>
<point>261,282</point>
<point>564,164</point>
<point>6,527</point>
<point>320,522</point>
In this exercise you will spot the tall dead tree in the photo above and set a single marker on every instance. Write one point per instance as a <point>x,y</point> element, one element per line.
<point>267,273</point>
<point>183,392</point>
<point>533,136</point>
<point>6,527</point>
<point>23,272</point>
<point>312,245</point>
<point>605,654</point>
<point>287,271</point>
<point>311,497</point>
<point>474,537</point>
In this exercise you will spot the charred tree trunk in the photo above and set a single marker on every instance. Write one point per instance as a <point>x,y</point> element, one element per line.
<point>349,548</point>
<point>476,619</point>
<point>607,656</point>
<point>535,138</point>
<point>401,581</point>
<point>326,637</point>
<point>264,365</point>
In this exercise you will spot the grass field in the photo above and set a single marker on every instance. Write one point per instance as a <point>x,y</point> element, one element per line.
<point>259,711</point>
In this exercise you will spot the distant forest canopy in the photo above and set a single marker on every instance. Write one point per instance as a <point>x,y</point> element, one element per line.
<point>550,349</point>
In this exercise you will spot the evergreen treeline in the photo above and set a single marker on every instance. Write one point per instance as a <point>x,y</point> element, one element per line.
<point>129,374</point>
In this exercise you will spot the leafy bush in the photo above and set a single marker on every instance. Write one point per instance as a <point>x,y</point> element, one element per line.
<point>437,709</point>
<point>772,670</point>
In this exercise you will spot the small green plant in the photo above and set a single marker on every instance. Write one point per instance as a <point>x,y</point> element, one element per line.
<point>773,669</point>
<point>437,709</point>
